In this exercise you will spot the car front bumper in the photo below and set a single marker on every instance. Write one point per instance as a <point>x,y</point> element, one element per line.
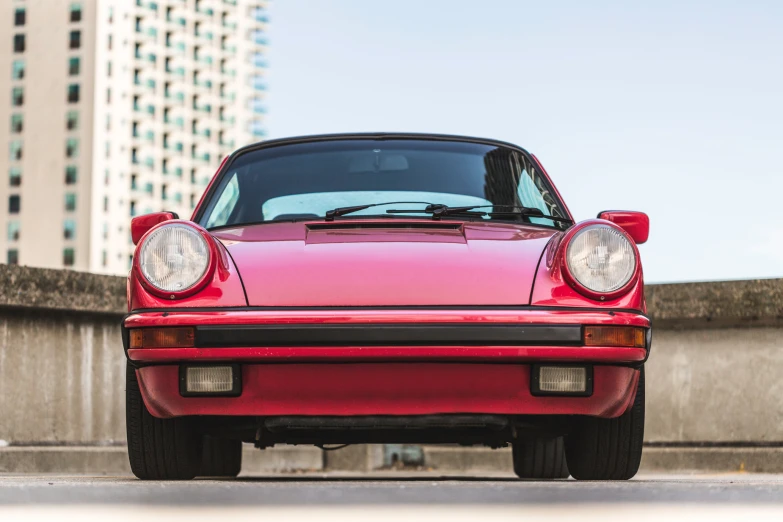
<point>387,362</point>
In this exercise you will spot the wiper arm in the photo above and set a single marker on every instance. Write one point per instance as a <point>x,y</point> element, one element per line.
<point>341,211</point>
<point>438,211</point>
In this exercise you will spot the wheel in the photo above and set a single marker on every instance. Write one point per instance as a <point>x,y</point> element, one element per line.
<point>539,458</point>
<point>221,457</point>
<point>608,449</point>
<point>159,449</point>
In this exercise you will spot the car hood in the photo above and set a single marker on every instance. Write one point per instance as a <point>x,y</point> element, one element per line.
<point>386,263</point>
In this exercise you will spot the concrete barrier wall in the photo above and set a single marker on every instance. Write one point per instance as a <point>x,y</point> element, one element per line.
<point>715,369</point>
<point>61,361</point>
<point>722,385</point>
<point>62,378</point>
<point>714,376</point>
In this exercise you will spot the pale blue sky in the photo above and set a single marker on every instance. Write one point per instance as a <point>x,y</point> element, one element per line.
<point>674,108</point>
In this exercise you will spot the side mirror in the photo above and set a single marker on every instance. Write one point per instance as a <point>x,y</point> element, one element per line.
<point>141,224</point>
<point>637,224</point>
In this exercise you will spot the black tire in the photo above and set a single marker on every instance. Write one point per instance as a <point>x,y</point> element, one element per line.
<point>608,449</point>
<point>221,457</point>
<point>159,449</point>
<point>539,458</point>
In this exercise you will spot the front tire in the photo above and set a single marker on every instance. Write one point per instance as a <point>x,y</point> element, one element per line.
<point>221,457</point>
<point>608,449</point>
<point>159,449</point>
<point>539,458</point>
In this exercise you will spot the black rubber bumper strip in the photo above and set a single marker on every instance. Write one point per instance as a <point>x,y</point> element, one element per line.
<point>388,335</point>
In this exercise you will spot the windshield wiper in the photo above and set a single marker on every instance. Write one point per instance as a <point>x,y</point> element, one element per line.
<point>438,211</point>
<point>341,211</point>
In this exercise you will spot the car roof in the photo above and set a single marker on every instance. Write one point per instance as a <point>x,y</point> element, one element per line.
<point>375,136</point>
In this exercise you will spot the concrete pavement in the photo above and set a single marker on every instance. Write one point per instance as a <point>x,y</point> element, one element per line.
<point>392,496</point>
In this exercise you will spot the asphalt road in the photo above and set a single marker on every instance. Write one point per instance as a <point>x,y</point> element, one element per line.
<point>395,496</point>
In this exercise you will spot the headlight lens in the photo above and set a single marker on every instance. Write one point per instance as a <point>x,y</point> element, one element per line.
<point>174,258</point>
<point>601,258</point>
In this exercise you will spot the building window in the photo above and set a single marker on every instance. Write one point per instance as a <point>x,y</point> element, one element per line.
<point>104,258</point>
<point>73,93</point>
<point>68,256</point>
<point>108,69</point>
<point>69,229</point>
<point>15,149</point>
<point>72,120</point>
<point>14,204</point>
<point>20,16</point>
<point>17,71</point>
<point>17,123</point>
<point>256,128</point>
<point>75,39</point>
<point>13,257</point>
<point>73,66</point>
<point>70,174</point>
<point>13,231</point>
<point>258,59</point>
<point>17,96</point>
<point>70,202</point>
<point>257,82</point>
<point>257,105</point>
<point>71,148</point>
<point>76,12</point>
<point>18,43</point>
<point>108,95</point>
<point>14,176</point>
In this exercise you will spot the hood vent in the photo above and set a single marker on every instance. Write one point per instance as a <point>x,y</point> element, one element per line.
<point>391,225</point>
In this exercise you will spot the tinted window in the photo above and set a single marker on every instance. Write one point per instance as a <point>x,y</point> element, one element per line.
<point>18,43</point>
<point>305,180</point>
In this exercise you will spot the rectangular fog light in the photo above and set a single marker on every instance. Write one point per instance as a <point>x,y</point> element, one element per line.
<point>218,380</point>
<point>562,380</point>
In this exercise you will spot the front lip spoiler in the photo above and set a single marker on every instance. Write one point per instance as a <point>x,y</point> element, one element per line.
<point>430,334</point>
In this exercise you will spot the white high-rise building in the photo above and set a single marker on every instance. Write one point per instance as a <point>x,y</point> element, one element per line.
<point>116,108</point>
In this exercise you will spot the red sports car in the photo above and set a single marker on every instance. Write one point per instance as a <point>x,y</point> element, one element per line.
<point>386,288</point>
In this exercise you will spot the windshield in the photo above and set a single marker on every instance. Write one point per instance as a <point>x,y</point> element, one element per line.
<point>305,180</point>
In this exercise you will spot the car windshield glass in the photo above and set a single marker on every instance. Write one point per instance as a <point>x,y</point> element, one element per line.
<point>305,180</point>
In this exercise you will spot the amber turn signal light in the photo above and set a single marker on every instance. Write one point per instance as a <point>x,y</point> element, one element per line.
<point>180,337</point>
<point>627,336</point>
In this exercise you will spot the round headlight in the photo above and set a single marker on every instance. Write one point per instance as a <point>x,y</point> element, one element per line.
<point>173,258</point>
<point>601,258</point>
